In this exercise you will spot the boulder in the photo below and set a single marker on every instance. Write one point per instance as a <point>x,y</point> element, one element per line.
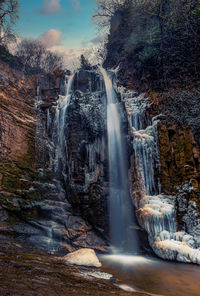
<point>86,257</point>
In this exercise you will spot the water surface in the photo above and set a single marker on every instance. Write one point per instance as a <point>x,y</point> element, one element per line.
<point>154,275</point>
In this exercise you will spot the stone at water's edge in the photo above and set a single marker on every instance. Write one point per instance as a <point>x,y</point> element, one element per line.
<point>86,257</point>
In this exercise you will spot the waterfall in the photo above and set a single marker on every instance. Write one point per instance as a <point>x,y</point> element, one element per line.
<point>122,235</point>
<point>59,124</point>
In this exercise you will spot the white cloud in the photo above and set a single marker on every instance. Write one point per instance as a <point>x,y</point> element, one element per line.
<point>71,56</point>
<point>50,38</point>
<point>50,7</point>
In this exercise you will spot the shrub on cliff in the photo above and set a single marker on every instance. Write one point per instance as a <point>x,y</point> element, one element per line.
<point>183,106</point>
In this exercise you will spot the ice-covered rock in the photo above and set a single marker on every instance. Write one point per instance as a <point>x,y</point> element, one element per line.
<point>98,275</point>
<point>86,257</point>
<point>157,212</point>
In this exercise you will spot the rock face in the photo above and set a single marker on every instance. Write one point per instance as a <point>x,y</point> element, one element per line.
<point>70,137</point>
<point>17,136</point>
<point>86,257</point>
<point>87,152</point>
<point>33,197</point>
<point>179,157</point>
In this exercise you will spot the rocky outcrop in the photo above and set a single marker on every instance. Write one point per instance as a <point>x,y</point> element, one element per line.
<point>65,133</point>
<point>33,198</point>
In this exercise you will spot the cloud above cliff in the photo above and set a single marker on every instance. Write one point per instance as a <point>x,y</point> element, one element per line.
<point>50,7</point>
<point>50,38</point>
<point>71,56</point>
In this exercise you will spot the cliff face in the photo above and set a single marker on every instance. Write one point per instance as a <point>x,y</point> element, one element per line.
<point>35,203</point>
<point>179,146</point>
<point>17,134</point>
<point>179,141</point>
<point>87,149</point>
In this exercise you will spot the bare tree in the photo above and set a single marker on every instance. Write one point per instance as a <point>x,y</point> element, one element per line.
<point>33,55</point>
<point>8,18</point>
<point>52,61</point>
<point>30,52</point>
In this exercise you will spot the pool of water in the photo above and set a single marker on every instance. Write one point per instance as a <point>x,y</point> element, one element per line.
<point>153,275</point>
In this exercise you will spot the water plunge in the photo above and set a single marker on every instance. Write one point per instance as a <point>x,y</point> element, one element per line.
<point>122,232</point>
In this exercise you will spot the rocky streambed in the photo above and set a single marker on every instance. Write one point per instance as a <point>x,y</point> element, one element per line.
<point>26,271</point>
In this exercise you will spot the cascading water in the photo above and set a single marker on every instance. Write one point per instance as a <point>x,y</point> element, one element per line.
<point>122,235</point>
<point>60,117</point>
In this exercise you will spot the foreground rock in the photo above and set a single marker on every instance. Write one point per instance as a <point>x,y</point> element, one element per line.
<point>35,273</point>
<point>86,257</point>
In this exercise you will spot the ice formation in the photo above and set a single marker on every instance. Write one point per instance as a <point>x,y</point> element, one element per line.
<point>157,212</point>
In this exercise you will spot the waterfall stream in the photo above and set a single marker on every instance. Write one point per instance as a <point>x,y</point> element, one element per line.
<point>59,123</point>
<point>156,212</point>
<point>122,235</point>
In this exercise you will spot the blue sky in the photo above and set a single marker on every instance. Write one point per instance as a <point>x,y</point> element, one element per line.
<point>71,19</point>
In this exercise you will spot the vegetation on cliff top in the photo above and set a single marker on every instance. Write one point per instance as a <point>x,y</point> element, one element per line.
<point>156,42</point>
